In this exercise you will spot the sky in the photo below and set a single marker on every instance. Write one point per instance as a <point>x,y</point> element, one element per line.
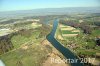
<point>13,5</point>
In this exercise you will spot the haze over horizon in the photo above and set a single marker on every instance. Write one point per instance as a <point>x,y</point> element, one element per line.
<point>13,5</point>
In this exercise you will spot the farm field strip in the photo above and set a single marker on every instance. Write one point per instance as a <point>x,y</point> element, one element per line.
<point>68,31</point>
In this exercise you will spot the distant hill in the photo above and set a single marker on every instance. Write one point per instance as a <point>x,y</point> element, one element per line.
<point>51,11</point>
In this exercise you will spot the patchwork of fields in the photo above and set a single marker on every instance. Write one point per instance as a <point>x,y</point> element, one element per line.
<point>68,31</point>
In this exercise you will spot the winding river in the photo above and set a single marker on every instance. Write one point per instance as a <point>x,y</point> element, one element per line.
<point>65,51</point>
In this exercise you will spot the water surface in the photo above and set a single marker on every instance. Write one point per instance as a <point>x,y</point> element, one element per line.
<point>65,51</point>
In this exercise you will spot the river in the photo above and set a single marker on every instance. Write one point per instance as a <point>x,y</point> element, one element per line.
<point>65,51</point>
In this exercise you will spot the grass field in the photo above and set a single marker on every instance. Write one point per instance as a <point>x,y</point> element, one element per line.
<point>69,32</point>
<point>33,56</point>
<point>28,49</point>
<point>96,32</point>
<point>82,44</point>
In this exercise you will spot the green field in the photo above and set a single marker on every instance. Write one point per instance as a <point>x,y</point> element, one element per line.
<point>82,44</point>
<point>96,32</point>
<point>35,55</point>
<point>69,32</point>
<point>28,49</point>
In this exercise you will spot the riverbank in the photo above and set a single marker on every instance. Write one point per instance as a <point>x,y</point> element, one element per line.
<point>55,54</point>
<point>83,45</point>
<point>28,49</point>
<point>65,51</point>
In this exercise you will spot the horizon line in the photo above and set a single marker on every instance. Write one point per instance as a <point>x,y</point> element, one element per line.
<point>49,8</point>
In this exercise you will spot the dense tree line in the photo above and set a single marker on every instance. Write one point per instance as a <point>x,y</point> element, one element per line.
<point>5,43</point>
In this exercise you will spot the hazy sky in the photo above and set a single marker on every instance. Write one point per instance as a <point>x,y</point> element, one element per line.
<point>10,5</point>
